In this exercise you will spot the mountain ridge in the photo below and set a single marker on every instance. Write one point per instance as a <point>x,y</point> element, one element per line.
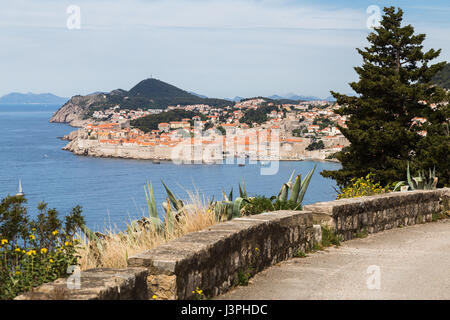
<point>147,94</point>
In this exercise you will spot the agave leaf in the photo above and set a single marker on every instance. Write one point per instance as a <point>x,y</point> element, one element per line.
<point>435,182</point>
<point>295,189</point>
<point>177,204</point>
<point>151,202</point>
<point>225,197</point>
<point>408,177</point>
<point>420,182</point>
<point>242,191</point>
<point>289,183</point>
<point>398,185</point>
<point>237,207</point>
<point>92,237</point>
<point>282,196</point>
<point>305,184</point>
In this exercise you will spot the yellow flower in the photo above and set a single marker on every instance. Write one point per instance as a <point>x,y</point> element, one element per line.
<point>55,232</point>
<point>154,297</point>
<point>31,252</point>
<point>44,250</point>
<point>51,260</point>
<point>67,243</point>
<point>17,250</point>
<point>4,241</point>
<point>199,291</point>
<point>17,273</point>
<point>32,237</point>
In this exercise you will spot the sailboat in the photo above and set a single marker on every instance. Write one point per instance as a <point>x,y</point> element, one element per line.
<point>20,193</point>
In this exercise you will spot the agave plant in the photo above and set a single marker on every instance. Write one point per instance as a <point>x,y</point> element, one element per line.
<point>420,182</point>
<point>229,209</point>
<point>173,207</point>
<point>297,189</point>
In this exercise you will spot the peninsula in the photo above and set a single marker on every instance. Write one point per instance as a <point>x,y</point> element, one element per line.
<point>155,120</point>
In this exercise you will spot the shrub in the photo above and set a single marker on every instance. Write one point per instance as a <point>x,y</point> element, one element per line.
<point>257,205</point>
<point>362,187</point>
<point>33,252</point>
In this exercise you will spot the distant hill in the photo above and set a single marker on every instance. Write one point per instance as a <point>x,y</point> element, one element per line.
<point>443,77</point>
<point>147,94</point>
<point>198,95</point>
<point>296,97</point>
<point>29,98</point>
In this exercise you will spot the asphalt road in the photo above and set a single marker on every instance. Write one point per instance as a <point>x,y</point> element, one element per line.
<point>403,263</point>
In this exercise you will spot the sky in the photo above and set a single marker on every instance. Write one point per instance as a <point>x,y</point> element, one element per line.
<point>218,48</point>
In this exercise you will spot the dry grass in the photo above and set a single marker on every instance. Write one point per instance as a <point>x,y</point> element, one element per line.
<point>118,246</point>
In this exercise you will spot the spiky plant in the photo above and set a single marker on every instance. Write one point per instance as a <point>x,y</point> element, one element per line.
<point>420,182</point>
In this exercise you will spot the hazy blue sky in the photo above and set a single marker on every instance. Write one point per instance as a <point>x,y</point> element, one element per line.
<point>216,48</point>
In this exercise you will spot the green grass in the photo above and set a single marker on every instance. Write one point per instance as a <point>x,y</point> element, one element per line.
<point>330,238</point>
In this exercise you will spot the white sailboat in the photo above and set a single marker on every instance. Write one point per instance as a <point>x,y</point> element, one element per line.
<point>20,193</point>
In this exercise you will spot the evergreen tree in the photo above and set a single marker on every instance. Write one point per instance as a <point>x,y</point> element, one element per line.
<point>394,87</point>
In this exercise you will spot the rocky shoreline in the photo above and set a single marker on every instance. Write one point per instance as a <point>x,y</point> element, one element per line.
<point>81,145</point>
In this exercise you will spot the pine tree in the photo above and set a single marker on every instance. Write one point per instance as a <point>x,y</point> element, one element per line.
<point>394,88</point>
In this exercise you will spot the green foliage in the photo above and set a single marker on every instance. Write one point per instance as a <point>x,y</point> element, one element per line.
<point>299,254</point>
<point>33,252</point>
<point>298,191</point>
<point>363,233</point>
<point>394,80</point>
<point>420,182</point>
<point>442,78</point>
<point>151,122</point>
<point>243,278</point>
<point>366,186</point>
<point>330,238</point>
<point>258,115</point>
<point>315,145</point>
<point>152,94</point>
<point>323,122</point>
<point>257,205</point>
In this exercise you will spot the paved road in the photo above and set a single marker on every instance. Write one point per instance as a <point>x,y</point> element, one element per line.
<point>414,263</point>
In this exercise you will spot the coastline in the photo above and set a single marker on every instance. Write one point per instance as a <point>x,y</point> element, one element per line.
<point>92,148</point>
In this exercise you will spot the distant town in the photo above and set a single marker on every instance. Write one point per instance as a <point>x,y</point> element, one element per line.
<point>304,130</point>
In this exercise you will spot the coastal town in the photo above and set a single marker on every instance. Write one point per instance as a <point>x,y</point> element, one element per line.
<point>292,131</point>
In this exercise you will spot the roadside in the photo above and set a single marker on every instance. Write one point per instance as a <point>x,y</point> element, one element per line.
<point>414,263</point>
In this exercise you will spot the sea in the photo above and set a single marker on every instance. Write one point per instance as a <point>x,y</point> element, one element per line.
<point>111,191</point>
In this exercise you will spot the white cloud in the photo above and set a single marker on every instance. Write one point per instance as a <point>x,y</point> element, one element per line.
<point>235,14</point>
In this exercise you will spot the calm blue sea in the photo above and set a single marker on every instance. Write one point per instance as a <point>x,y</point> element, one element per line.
<point>111,191</point>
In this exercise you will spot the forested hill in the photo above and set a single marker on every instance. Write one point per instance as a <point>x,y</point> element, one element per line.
<point>443,77</point>
<point>147,94</point>
<point>151,122</point>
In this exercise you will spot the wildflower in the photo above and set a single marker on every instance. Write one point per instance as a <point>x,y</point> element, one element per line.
<point>32,237</point>
<point>17,273</point>
<point>4,241</point>
<point>44,250</point>
<point>55,232</point>
<point>154,297</point>
<point>67,243</point>
<point>31,252</point>
<point>51,260</point>
<point>17,250</point>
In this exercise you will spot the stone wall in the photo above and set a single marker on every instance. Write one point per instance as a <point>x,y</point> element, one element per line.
<point>216,259</point>
<point>95,284</point>
<point>382,212</point>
